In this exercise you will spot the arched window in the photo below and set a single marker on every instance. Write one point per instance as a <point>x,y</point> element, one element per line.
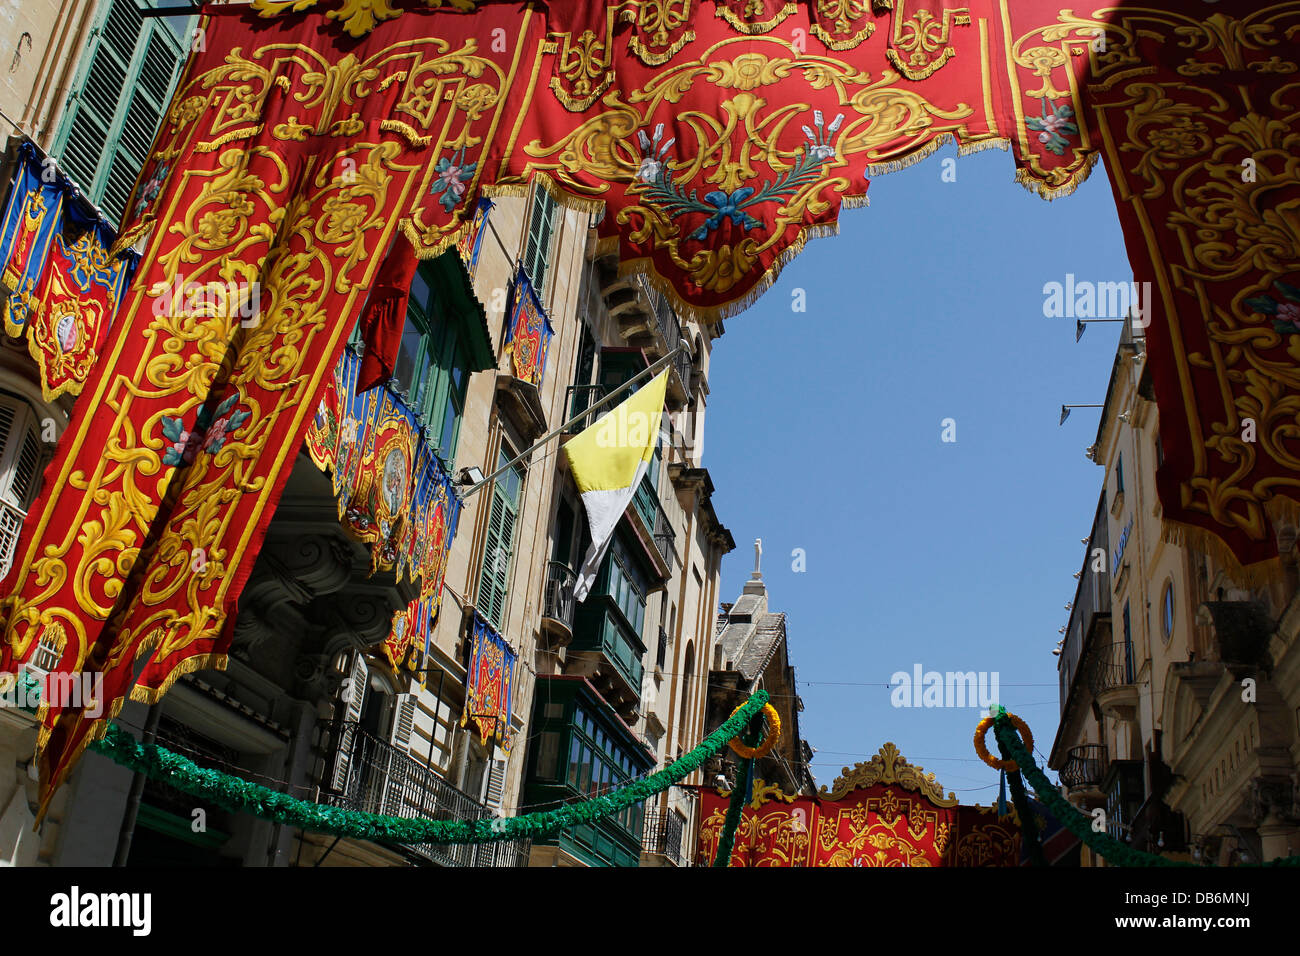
<point>688,676</point>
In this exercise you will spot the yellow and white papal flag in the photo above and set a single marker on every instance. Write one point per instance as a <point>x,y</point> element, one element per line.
<point>609,460</point>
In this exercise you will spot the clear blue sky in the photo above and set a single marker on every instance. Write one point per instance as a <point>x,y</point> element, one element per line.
<point>824,433</point>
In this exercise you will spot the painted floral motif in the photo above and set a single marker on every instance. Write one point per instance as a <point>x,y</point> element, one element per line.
<point>151,188</point>
<point>452,179</point>
<point>1052,127</point>
<point>654,159</point>
<point>720,206</point>
<point>1285,311</point>
<point>207,434</point>
<point>819,143</point>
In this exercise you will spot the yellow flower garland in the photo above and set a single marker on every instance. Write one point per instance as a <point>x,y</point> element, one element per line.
<point>769,739</point>
<point>1010,766</point>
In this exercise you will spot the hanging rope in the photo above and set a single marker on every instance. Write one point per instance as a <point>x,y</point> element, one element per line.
<point>1113,851</point>
<point>236,795</point>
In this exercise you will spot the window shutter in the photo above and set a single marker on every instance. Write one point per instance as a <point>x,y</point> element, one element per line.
<point>495,579</point>
<point>496,785</point>
<point>404,723</point>
<point>121,96</point>
<point>537,248</point>
<point>356,688</point>
<point>158,69</point>
<point>20,460</point>
<point>354,695</point>
<point>96,106</point>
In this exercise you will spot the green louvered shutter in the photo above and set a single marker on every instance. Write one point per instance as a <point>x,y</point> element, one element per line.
<point>494,582</point>
<point>130,67</point>
<point>541,226</point>
<point>496,559</point>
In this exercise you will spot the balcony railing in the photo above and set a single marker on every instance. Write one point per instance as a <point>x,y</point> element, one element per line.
<point>560,579</point>
<point>663,836</point>
<point>1113,666</point>
<point>670,329</point>
<point>372,776</point>
<point>1085,767</point>
<point>579,398</point>
<point>11,523</point>
<point>665,538</point>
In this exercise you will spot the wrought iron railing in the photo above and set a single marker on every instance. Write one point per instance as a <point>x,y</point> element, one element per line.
<point>1085,767</point>
<point>372,776</point>
<point>11,523</point>
<point>665,538</point>
<point>670,329</point>
<point>1113,666</point>
<point>558,605</point>
<point>579,398</point>
<point>663,836</point>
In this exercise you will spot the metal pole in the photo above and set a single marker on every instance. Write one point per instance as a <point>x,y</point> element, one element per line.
<point>683,346</point>
<point>136,791</point>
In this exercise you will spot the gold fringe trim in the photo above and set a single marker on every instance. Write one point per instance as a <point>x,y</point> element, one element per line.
<point>1023,176</point>
<point>70,387</point>
<point>1209,543</point>
<point>246,133</point>
<point>924,72</point>
<point>1073,182</point>
<point>659,59</point>
<point>932,147</point>
<point>755,28</point>
<point>410,133</point>
<point>191,665</point>
<point>832,44</point>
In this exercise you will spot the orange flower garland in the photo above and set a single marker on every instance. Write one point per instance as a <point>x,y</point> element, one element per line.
<point>769,739</point>
<point>981,731</point>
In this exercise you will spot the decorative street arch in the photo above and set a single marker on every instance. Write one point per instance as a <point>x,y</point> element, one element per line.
<point>310,144</point>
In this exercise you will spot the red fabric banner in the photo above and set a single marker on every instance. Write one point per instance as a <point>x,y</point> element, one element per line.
<point>73,305</point>
<point>155,506</point>
<point>1203,149</point>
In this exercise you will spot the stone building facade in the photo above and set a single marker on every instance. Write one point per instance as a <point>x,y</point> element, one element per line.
<point>1180,706</point>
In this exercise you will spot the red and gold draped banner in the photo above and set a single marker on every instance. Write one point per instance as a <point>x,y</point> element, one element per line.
<point>716,137</point>
<point>1200,134</point>
<point>489,687</point>
<point>393,493</point>
<point>885,812</point>
<point>59,284</point>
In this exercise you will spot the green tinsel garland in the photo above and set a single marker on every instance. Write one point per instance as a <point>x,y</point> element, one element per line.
<point>1028,825</point>
<point>1110,849</point>
<point>742,792</point>
<point>240,796</point>
<point>727,839</point>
